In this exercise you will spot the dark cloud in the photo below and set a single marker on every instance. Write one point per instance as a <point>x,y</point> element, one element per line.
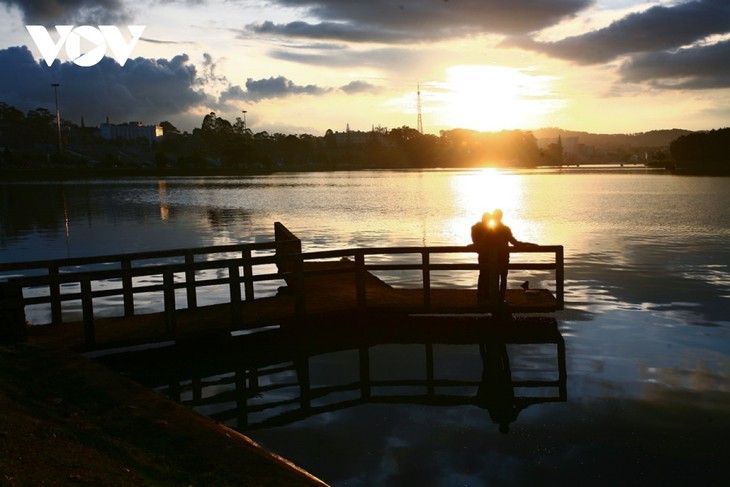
<point>359,86</point>
<point>329,30</point>
<point>148,90</point>
<point>73,11</point>
<point>702,67</point>
<point>232,93</point>
<point>416,20</point>
<point>281,87</point>
<point>277,87</point>
<point>383,58</point>
<point>656,29</point>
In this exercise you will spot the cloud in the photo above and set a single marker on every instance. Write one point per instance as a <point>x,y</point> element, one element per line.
<point>702,67</point>
<point>281,87</point>
<point>70,11</point>
<point>330,30</point>
<point>386,21</point>
<point>147,90</point>
<point>269,88</point>
<point>657,29</point>
<point>277,87</point>
<point>400,59</point>
<point>358,86</point>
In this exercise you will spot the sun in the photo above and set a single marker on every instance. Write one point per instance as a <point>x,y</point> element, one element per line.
<point>491,98</point>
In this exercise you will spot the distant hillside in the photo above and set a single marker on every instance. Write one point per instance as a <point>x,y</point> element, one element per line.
<point>654,138</point>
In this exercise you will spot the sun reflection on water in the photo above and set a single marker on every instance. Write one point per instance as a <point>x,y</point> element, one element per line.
<point>484,190</point>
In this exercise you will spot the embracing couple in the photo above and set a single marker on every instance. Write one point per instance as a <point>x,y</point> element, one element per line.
<point>491,236</point>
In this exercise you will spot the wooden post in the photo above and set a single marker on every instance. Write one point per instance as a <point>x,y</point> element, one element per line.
<point>253,381</point>
<point>430,389</point>
<point>300,291</point>
<point>127,289</point>
<point>425,262</point>
<point>235,286</point>
<point>493,277</point>
<point>87,309</point>
<point>305,389</point>
<point>364,372</point>
<point>360,280</point>
<point>190,280</point>
<point>197,387</point>
<point>12,313</point>
<point>562,369</point>
<point>174,387</point>
<point>287,245</point>
<point>560,277</point>
<point>241,398</point>
<point>248,275</point>
<point>168,283</point>
<point>54,286</point>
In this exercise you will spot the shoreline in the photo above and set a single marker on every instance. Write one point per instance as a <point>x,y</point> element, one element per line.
<point>63,174</point>
<point>69,419</point>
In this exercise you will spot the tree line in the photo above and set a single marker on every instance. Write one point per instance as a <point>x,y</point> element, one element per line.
<point>32,137</point>
<point>703,151</point>
<point>217,142</point>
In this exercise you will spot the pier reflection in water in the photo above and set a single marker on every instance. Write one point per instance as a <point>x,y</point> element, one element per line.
<point>281,376</point>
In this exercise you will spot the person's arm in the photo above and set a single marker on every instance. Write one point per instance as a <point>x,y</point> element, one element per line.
<point>511,238</point>
<point>517,243</point>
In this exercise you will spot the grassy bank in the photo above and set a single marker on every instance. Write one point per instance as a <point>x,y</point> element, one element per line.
<point>68,421</point>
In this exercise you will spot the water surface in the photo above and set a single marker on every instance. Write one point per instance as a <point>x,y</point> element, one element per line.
<point>647,348</point>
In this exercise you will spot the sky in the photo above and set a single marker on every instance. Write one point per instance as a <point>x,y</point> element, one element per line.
<point>305,66</point>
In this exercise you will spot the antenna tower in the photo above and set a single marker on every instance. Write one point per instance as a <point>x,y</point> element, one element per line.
<point>420,118</point>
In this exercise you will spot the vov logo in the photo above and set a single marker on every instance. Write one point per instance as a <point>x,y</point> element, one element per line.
<point>98,38</point>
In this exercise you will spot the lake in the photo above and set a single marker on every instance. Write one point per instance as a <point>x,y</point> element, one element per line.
<point>646,324</point>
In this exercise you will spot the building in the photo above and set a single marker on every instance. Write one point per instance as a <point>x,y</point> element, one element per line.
<point>131,131</point>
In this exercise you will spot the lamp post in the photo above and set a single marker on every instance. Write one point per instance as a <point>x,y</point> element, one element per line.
<point>244,120</point>
<point>58,115</point>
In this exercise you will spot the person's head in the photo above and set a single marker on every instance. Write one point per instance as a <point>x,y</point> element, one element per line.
<point>486,217</point>
<point>497,215</point>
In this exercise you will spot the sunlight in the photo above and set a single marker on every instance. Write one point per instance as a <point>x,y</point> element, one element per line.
<point>492,98</point>
<point>486,190</point>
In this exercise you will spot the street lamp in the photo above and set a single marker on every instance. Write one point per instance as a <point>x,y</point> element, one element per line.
<point>58,115</point>
<point>244,120</point>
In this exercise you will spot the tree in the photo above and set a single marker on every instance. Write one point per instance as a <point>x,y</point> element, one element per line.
<point>42,125</point>
<point>169,129</point>
<point>703,150</point>
<point>12,125</point>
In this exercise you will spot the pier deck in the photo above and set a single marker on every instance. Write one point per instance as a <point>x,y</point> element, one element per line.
<point>328,295</point>
<point>318,284</point>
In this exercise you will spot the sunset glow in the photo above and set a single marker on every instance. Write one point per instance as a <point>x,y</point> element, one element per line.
<point>485,190</point>
<point>492,98</point>
<point>301,67</point>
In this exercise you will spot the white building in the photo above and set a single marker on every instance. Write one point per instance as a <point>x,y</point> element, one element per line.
<point>131,131</point>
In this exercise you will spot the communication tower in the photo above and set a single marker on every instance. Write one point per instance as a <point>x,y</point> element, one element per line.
<point>420,118</point>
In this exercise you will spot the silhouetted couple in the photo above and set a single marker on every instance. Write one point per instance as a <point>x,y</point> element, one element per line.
<point>491,235</point>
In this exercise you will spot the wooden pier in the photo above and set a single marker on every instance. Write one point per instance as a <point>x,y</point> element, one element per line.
<point>312,285</point>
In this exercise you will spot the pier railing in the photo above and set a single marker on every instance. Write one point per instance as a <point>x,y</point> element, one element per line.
<point>426,265</point>
<point>72,280</point>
